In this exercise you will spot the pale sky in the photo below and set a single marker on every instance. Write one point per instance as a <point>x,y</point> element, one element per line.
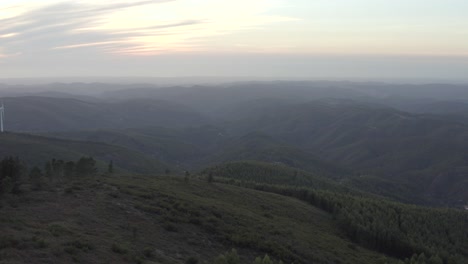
<point>265,38</point>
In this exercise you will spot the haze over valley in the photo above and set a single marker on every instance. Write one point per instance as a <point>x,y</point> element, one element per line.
<point>232,132</point>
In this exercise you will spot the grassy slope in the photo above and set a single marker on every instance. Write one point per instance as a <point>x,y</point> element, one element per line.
<point>166,220</point>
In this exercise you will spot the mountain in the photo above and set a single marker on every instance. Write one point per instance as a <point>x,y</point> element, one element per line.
<point>215,100</point>
<point>179,146</point>
<point>198,147</point>
<point>43,114</point>
<point>36,150</point>
<point>271,173</point>
<point>399,146</point>
<point>261,147</point>
<point>305,172</point>
<point>339,128</point>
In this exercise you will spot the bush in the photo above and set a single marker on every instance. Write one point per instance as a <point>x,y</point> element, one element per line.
<point>170,227</point>
<point>119,249</point>
<point>192,260</point>
<point>148,252</point>
<point>228,258</point>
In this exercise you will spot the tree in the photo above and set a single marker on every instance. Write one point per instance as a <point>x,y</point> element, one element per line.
<point>258,260</point>
<point>37,178</point>
<point>210,177</point>
<point>229,258</point>
<point>48,169</point>
<point>58,168</point>
<point>86,166</point>
<point>10,175</point>
<point>110,168</point>
<point>266,260</point>
<point>435,260</point>
<point>69,169</point>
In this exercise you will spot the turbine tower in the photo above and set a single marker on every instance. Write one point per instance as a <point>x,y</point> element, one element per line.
<point>2,116</point>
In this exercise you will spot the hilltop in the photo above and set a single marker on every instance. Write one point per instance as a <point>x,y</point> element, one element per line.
<point>135,219</point>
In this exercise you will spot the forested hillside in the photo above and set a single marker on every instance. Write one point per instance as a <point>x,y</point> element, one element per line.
<point>426,235</point>
<point>282,172</point>
<point>35,150</point>
<point>46,114</point>
<point>161,219</point>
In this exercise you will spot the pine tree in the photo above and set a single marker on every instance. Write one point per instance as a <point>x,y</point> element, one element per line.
<point>210,178</point>
<point>37,178</point>
<point>110,168</point>
<point>86,166</point>
<point>10,175</point>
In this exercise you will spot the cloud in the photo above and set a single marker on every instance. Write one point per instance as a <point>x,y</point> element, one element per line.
<point>141,27</point>
<point>67,25</point>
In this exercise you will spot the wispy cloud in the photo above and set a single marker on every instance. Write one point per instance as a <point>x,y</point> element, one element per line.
<point>64,25</point>
<point>125,27</point>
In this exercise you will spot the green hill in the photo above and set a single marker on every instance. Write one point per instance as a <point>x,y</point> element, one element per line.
<point>270,174</point>
<point>126,219</point>
<point>46,114</point>
<point>197,147</point>
<point>182,147</point>
<point>262,147</point>
<point>425,151</point>
<point>280,174</point>
<point>36,150</point>
<point>397,229</point>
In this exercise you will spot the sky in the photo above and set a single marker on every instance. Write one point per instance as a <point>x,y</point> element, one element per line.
<point>420,39</point>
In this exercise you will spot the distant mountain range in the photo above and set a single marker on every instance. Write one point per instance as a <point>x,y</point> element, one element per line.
<point>374,136</point>
<point>44,114</point>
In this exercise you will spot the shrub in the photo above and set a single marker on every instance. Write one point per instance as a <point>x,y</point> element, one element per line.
<point>119,249</point>
<point>192,260</point>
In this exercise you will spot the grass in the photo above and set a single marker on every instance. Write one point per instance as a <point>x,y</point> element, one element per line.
<point>143,219</point>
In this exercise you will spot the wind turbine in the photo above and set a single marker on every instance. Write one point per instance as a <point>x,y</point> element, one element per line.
<point>2,116</point>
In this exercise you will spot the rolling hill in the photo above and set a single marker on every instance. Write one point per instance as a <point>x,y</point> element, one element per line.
<point>46,114</point>
<point>308,125</point>
<point>36,150</point>
<point>388,143</point>
<point>125,219</point>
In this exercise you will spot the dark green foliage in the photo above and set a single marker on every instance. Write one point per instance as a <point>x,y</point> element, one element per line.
<point>48,169</point>
<point>170,227</point>
<point>70,169</point>
<point>210,177</point>
<point>393,228</point>
<point>230,257</point>
<point>118,248</point>
<point>11,169</point>
<point>148,252</point>
<point>86,166</point>
<point>268,173</point>
<point>37,178</point>
<point>186,176</point>
<point>36,150</point>
<point>59,170</point>
<point>266,260</point>
<point>192,260</point>
<point>110,167</point>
